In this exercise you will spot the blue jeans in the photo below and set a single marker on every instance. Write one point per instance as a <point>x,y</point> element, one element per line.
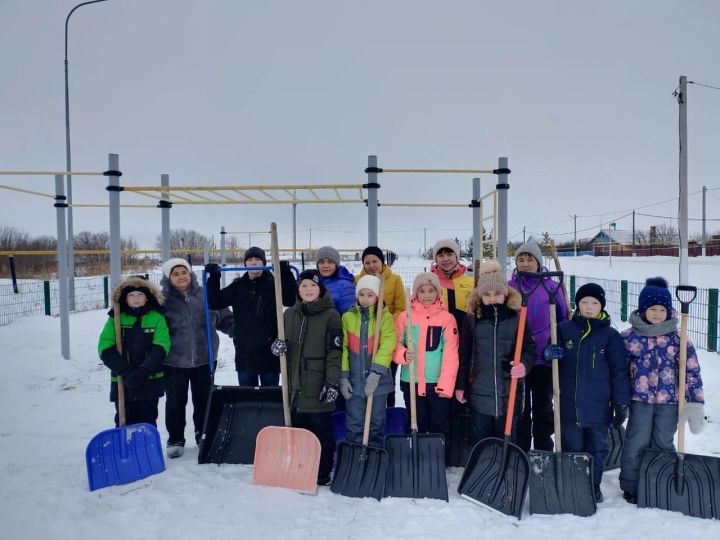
<point>355,420</point>
<point>250,378</point>
<point>650,426</point>
<point>592,440</point>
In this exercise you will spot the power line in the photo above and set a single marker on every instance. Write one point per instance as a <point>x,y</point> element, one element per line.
<point>705,85</point>
<point>675,218</point>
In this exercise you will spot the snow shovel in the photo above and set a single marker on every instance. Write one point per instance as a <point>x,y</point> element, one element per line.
<point>126,453</point>
<point>560,482</point>
<point>285,456</point>
<point>678,481</point>
<point>615,440</point>
<point>361,469</point>
<point>496,475</point>
<point>416,462</point>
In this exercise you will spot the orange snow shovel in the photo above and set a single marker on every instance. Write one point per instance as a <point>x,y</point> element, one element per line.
<point>126,453</point>
<point>285,456</point>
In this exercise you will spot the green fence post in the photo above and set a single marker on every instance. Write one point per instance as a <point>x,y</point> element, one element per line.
<point>572,292</point>
<point>712,320</point>
<point>623,300</point>
<point>46,290</point>
<point>106,294</point>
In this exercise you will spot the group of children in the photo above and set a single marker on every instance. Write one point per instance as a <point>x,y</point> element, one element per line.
<point>604,376</point>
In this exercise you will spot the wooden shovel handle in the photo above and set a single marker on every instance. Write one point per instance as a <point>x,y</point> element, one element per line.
<point>516,361</point>
<point>556,260</point>
<point>555,379</point>
<point>682,376</point>
<point>376,344</point>
<point>280,322</point>
<point>412,367</point>
<point>119,349</point>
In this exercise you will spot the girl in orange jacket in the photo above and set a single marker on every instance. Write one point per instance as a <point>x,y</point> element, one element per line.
<point>434,348</point>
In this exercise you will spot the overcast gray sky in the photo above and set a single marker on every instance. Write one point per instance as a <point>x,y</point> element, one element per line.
<point>577,94</point>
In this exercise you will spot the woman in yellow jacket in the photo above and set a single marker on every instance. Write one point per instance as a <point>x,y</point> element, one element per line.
<point>373,261</point>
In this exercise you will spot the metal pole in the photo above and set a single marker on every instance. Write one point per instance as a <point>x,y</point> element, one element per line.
<point>68,165</point>
<point>372,200</point>
<point>60,209</point>
<point>165,206</point>
<point>13,275</point>
<point>424,241</point>
<point>223,254</point>
<point>502,187</point>
<point>575,234</point>
<point>633,236</point>
<point>524,240</point>
<point>114,200</point>
<point>477,224</point>
<point>294,227</point>
<point>683,181</point>
<point>206,253</point>
<point>704,237</point>
<point>609,244</point>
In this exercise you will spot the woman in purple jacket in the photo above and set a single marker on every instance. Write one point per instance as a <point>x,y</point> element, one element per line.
<point>536,419</point>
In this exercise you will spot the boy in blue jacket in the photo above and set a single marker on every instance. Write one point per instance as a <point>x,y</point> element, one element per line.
<point>594,385</point>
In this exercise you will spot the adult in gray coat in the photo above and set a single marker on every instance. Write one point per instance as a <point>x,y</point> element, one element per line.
<point>188,361</point>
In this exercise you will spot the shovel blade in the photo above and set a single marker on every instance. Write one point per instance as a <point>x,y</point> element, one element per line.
<point>615,439</point>
<point>680,482</point>
<point>123,455</point>
<point>496,476</point>
<point>287,457</point>
<point>561,483</point>
<point>416,466</point>
<point>360,471</point>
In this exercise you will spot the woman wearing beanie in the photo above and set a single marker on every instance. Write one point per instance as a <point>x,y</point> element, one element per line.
<point>536,421</point>
<point>487,348</point>
<point>252,298</point>
<point>394,296</point>
<point>434,349</point>
<point>653,350</point>
<point>594,386</point>
<point>187,364</point>
<point>338,279</point>
<point>455,281</point>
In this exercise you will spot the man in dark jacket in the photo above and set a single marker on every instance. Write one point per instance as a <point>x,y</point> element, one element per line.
<point>252,298</point>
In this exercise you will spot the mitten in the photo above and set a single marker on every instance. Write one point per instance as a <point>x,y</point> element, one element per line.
<point>212,270</point>
<point>694,413</point>
<point>552,352</point>
<point>345,388</point>
<point>329,393</point>
<point>620,414</point>
<point>279,347</point>
<point>135,378</point>
<point>371,383</point>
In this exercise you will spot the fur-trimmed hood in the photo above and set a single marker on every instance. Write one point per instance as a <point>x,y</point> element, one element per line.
<point>513,300</point>
<point>140,283</point>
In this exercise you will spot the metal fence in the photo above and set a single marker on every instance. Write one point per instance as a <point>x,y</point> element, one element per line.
<point>41,298</point>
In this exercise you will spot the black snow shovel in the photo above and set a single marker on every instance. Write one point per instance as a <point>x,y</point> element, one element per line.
<point>496,475</point>
<point>615,440</point>
<point>678,481</point>
<point>360,470</point>
<point>126,453</point>
<point>416,462</point>
<point>560,482</point>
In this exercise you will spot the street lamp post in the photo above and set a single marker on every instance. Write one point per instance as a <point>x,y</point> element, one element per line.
<point>68,161</point>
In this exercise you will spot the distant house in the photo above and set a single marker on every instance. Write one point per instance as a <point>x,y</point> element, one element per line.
<point>617,238</point>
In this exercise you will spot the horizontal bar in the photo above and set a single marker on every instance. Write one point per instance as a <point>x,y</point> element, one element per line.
<point>257,187</point>
<point>444,171</point>
<point>50,173</point>
<point>10,188</point>
<point>426,205</point>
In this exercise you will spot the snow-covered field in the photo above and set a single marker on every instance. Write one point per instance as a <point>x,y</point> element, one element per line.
<point>50,408</point>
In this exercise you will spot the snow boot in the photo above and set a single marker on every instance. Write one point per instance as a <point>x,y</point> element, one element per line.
<point>598,495</point>
<point>175,451</point>
<point>630,496</point>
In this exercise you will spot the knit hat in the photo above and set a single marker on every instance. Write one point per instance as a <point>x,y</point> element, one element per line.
<point>314,276</point>
<point>531,247</point>
<point>593,290</point>
<point>255,252</point>
<point>426,278</point>
<point>168,266</point>
<point>368,282</point>
<point>327,252</point>
<point>490,278</point>
<point>137,284</point>
<point>655,293</point>
<point>446,243</point>
<point>373,250</point>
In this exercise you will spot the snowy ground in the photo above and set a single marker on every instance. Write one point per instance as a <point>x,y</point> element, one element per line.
<point>50,408</point>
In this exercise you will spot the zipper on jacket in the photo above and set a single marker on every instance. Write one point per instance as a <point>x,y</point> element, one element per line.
<point>192,332</point>
<point>497,412</point>
<point>577,370</point>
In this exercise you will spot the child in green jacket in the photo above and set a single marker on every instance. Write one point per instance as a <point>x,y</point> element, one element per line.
<point>145,343</point>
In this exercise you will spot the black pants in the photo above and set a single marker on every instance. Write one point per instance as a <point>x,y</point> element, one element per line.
<point>536,420</point>
<point>321,425</point>
<point>142,410</point>
<point>391,396</point>
<point>433,412</point>
<point>486,425</point>
<point>177,380</point>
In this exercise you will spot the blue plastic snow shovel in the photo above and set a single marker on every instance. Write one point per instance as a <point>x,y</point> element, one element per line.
<point>127,453</point>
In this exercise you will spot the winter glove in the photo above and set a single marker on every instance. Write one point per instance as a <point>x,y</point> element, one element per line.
<point>552,352</point>
<point>279,347</point>
<point>329,393</point>
<point>694,413</point>
<point>135,378</point>
<point>371,383</point>
<point>518,371</point>
<point>114,360</point>
<point>212,270</point>
<point>620,414</point>
<point>346,388</point>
